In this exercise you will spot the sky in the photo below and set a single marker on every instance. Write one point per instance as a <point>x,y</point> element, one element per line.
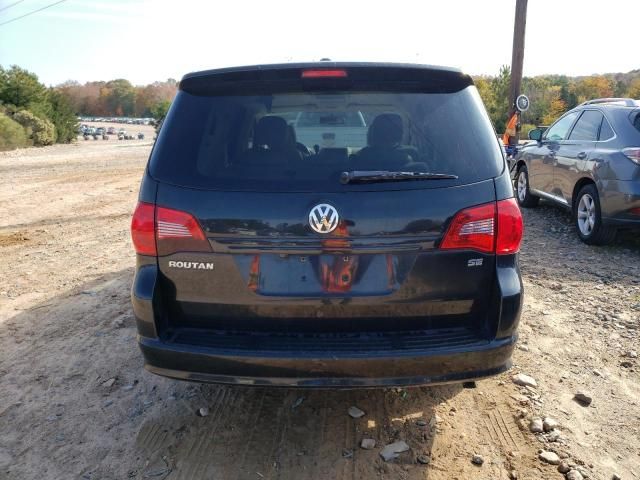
<point>146,40</point>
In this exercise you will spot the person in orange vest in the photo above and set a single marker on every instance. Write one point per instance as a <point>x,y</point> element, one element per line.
<point>513,125</point>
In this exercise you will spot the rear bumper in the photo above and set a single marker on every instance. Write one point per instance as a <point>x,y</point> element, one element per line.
<point>334,359</point>
<point>618,198</point>
<point>377,369</point>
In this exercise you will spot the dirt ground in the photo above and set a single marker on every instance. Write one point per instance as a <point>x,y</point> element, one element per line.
<point>75,401</point>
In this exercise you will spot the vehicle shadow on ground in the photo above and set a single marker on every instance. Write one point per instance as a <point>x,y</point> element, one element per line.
<point>551,247</point>
<point>75,402</point>
<point>251,433</point>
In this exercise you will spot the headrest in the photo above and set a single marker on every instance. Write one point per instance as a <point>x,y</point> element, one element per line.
<point>271,131</point>
<point>385,131</point>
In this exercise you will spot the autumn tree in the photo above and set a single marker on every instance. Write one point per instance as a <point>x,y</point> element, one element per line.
<point>634,89</point>
<point>596,86</point>
<point>494,92</point>
<point>21,88</point>
<point>557,106</point>
<point>63,117</point>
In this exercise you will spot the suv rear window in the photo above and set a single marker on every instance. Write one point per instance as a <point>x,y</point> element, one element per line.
<point>303,141</point>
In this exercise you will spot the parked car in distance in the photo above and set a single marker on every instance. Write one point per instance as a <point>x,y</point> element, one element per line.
<point>384,258</point>
<point>587,161</point>
<point>327,129</point>
<point>140,136</point>
<point>111,131</point>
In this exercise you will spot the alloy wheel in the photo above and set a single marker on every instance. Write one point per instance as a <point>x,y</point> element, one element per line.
<point>586,214</point>
<point>522,186</point>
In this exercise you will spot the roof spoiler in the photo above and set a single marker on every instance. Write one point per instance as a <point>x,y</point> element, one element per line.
<point>344,76</point>
<point>627,102</point>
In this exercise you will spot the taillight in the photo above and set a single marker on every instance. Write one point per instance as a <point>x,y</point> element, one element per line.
<point>178,231</point>
<point>324,73</point>
<point>143,229</point>
<point>489,228</point>
<point>161,231</point>
<point>510,227</point>
<point>633,154</point>
<point>473,229</point>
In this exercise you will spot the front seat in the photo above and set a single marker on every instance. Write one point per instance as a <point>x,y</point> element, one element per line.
<point>272,145</point>
<point>383,150</point>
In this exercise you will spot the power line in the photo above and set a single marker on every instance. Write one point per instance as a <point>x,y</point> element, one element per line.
<point>9,6</point>
<point>32,12</point>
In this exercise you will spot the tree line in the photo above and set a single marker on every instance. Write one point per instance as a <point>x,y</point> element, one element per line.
<point>118,98</point>
<point>551,95</point>
<point>33,114</point>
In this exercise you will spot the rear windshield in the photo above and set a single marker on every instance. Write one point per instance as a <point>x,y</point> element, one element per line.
<point>304,141</point>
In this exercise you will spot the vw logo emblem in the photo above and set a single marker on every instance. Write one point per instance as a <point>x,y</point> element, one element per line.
<point>323,218</point>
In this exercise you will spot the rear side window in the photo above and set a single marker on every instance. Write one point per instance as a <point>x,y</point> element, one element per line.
<point>635,119</point>
<point>303,141</point>
<point>606,132</point>
<point>587,126</point>
<point>560,129</point>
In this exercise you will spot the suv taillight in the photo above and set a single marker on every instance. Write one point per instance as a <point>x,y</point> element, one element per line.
<point>162,231</point>
<point>489,228</point>
<point>510,227</point>
<point>143,229</point>
<point>633,154</point>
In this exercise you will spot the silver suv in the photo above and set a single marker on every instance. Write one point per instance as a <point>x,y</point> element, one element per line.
<point>587,161</point>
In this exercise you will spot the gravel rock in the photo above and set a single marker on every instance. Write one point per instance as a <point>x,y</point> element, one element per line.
<point>583,399</point>
<point>632,354</point>
<point>553,436</point>
<point>347,453</point>
<point>423,459</point>
<point>549,457</point>
<point>355,412</point>
<point>109,383</point>
<point>203,412</point>
<point>392,450</point>
<point>477,459</point>
<point>574,475</point>
<point>550,424</point>
<point>367,443</point>
<point>524,380</point>
<point>615,476</point>
<point>564,467</point>
<point>536,425</point>
<point>421,423</point>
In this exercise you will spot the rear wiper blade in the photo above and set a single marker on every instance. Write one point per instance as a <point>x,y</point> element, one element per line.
<point>370,176</point>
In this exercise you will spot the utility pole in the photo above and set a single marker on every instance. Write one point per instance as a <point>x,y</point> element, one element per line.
<point>517,57</point>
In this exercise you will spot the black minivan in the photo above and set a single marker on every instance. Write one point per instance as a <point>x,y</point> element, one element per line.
<point>327,225</point>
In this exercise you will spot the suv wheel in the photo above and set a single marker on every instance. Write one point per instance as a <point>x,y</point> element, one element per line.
<point>588,218</point>
<point>525,197</point>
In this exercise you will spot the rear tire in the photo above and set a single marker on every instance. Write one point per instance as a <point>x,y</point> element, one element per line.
<point>587,218</point>
<point>525,198</point>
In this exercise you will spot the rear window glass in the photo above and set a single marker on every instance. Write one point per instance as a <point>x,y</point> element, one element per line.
<point>304,141</point>
<point>587,126</point>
